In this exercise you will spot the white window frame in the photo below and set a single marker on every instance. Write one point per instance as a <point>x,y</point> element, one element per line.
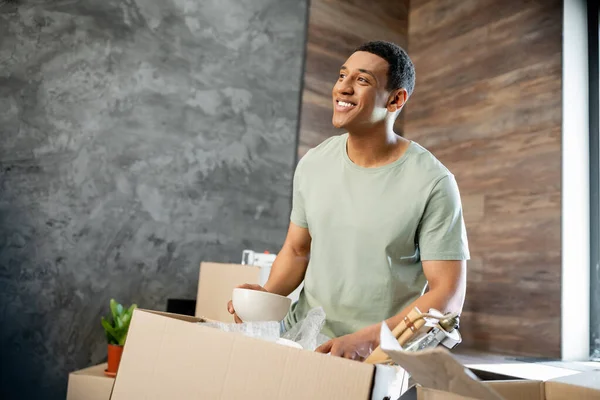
<point>575,229</point>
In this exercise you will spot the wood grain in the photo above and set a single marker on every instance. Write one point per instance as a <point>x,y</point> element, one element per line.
<point>335,29</point>
<point>487,103</point>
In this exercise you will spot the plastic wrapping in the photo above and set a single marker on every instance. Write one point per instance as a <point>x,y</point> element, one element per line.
<point>261,330</point>
<point>307,332</point>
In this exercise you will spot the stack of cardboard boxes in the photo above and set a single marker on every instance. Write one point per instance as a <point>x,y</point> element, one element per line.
<point>170,356</point>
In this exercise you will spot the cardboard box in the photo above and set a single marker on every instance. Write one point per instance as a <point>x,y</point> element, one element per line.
<point>583,386</point>
<point>90,384</point>
<point>170,356</point>
<point>441,376</point>
<point>215,285</point>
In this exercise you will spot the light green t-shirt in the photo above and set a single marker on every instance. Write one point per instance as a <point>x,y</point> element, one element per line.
<point>370,229</point>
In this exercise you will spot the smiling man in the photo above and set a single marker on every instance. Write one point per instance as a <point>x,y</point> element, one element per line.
<point>375,216</point>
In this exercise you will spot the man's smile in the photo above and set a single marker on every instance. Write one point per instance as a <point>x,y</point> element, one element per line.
<point>343,106</point>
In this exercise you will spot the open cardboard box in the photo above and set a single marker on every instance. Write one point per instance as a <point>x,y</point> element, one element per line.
<point>582,386</point>
<point>215,285</point>
<point>172,356</point>
<point>441,376</point>
<point>169,356</point>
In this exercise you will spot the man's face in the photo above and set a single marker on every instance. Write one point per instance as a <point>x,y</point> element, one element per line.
<point>360,96</point>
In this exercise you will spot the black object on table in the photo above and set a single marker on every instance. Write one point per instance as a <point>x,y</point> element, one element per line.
<point>181,306</point>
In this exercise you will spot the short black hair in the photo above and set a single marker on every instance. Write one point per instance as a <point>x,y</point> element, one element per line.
<point>401,71</point>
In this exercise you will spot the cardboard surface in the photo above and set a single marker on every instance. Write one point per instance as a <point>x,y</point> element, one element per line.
<point>90,384</point>
<point>215,285</point>
<point>584,386</point>
<point>171,356</point>
<point>518,389</point>
<point>508,390</point>
<point>432,394</point>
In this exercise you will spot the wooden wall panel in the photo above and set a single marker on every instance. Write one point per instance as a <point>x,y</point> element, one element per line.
<point>487,103</point>
<point>336,27</point>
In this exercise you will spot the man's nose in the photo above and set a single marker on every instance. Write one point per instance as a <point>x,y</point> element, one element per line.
<point>345,87</point>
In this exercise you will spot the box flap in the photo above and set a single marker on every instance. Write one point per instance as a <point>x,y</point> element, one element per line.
<point>582,386</point>
<point>436,369</point>
<point>167,357</point>
<point>215,284</point>
<point>181,317</point>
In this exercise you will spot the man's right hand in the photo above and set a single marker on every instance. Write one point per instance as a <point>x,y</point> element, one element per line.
<point>250,286</point>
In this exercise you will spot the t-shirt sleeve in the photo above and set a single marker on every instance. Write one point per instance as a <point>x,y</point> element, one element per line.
<point>298,216</point>
<point>442,234</point>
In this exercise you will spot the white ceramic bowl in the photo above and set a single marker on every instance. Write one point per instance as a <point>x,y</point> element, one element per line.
<point>253,305</point>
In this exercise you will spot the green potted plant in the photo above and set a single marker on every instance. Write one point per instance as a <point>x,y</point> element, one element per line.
<point>116,334</point>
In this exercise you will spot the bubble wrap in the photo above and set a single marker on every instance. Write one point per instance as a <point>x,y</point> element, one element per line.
<point>261,330</point>
<point>307,332</point>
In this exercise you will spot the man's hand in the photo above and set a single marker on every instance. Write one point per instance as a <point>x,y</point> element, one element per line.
<point>355,346</point>
<point>250,286</point>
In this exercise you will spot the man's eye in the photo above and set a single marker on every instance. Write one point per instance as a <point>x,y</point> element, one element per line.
<point>342,76</point>
<point>363,80</point>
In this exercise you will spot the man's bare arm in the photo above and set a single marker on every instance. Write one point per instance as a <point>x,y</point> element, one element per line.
<point>447,282</point>
<point>289,267</point>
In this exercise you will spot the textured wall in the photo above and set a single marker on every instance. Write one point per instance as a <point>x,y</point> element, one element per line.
<point>487,102</point>
<point>330,43</point>
<point>137,139</point>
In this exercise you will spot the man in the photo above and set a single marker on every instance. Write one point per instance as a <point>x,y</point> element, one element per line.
<point>380,216</point>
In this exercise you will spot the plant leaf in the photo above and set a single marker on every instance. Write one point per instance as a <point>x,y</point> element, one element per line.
<point>131,308</point>
<point>112,336</point>
<point>126,319</point>
<point>123,338</point>
<point>106,325</point>
<point>113,308</point>
<point>116,332</point>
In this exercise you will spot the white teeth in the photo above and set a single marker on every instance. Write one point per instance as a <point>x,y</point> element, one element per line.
<point>344,104</point>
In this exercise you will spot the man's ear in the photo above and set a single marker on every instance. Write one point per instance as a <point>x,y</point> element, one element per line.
<point>397,100</point>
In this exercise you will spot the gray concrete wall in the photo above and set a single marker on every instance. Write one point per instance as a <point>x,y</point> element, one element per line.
<point>138,137</point>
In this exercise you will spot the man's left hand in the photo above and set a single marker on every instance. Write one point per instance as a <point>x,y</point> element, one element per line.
<point>355,346</point>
